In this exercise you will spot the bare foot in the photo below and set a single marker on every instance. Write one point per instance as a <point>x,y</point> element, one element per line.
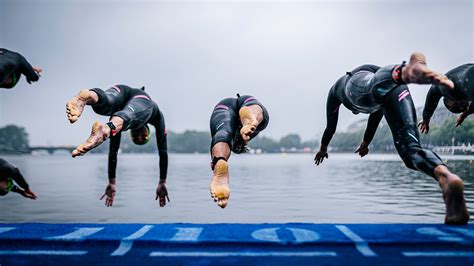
<point>75,106</point>
<point>453,195</point>
<point>98,135</point>
<point>219,187</point>
<point>249,123</point>
<point>417,72</point>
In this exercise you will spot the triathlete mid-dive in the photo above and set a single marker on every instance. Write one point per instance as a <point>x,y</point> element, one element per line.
<point>382,91</point>
<point>9,175</point>
<point>234,122</point>
<point>457,100</point>
<point>12,66</point>
<point>128,108</point>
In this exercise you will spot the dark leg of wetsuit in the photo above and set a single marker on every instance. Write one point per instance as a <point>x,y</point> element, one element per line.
<point>132,105</point>
<point>400,113</point>
<point>224,122</point>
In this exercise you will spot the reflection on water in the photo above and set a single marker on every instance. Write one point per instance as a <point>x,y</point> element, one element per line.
<point>265,188</point>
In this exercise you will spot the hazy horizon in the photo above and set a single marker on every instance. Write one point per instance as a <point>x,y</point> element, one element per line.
<point>191,54</point>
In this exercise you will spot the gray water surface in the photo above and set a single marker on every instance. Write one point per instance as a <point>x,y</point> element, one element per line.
<point>265,188</point>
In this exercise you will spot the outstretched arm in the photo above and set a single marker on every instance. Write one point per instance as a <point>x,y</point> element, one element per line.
<point>465,114</point>
<point>432,99</point>
<point>161,190</point>
<point>332,115</point>
<point>31,73</point>
<point>112,166</point>
<point>372,125</point>
<point>24,189</point>
<point>113,151</point>
<point>18,178</point>
<point>25,193</point>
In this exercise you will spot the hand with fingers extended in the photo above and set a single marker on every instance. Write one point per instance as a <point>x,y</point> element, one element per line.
<point>424,126</point>
<point>38,70</point>
<point>28,194</point>
<point>363,149</point>
<point>319,158</point>
<point>109,195</point>
<point>461,118</point>
<point>162,193</point>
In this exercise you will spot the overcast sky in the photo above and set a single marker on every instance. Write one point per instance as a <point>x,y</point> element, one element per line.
<point>190,55</point>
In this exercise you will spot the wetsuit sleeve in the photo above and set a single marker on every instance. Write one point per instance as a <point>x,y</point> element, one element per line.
<point>19,179</point>
<point>113,151</point>
<point>27,70</point>
<point>332,115</point>
<point>162,145</point>
<point>432,99</point>
<point>372,125</point>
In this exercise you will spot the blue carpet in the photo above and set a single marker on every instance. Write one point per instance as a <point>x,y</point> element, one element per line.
<point>243,244</point>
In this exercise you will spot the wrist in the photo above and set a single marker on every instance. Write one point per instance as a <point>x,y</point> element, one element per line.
<point>112,181</point>
<point>162,181</point>
<point>323,148</point>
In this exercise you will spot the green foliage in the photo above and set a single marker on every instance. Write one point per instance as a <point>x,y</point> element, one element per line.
<point>191,141</point>
<point>290,141</point>
<point>13,139</point>
<point>383,140</point>
<point>345,141</point>
<point>265,144</point>
<point>444,135</point>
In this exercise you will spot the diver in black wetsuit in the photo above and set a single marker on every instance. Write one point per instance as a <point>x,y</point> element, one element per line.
<point>383,92</point>
<point>12,65</point>
<point>458,100</point>
<point>128,108</point>
<point>9,175</point>
<point>234,122</point>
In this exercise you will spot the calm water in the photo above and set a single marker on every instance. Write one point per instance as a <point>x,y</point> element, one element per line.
<point>265,188</point>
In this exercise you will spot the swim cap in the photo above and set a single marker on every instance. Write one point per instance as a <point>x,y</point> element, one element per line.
<point>10,186</point>
<point>456,106</point>
<point>147,139</point>
<point>12,83</point>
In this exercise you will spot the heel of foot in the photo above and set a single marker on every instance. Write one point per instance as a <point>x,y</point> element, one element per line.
<point>84,95</point>
<point>456,186</point>
<point>246,116</point>
<point>96,127</point>
<point>221,168</point>
<point>456,204</point>
<point>418,57</point>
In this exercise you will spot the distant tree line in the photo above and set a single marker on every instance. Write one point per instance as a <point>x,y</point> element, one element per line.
<point>14,139</point>
<point>383,140</point>
<point>192,141</point>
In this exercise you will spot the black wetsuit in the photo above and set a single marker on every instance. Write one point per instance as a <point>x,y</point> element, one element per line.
<point>136,109</point>
<point>463,78</point>
<point>371,89</point>
<point>8,170</point>
<point>225,121</point>
<point>12,65</point>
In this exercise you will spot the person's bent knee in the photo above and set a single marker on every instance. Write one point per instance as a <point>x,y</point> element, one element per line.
<point>221,137</point>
